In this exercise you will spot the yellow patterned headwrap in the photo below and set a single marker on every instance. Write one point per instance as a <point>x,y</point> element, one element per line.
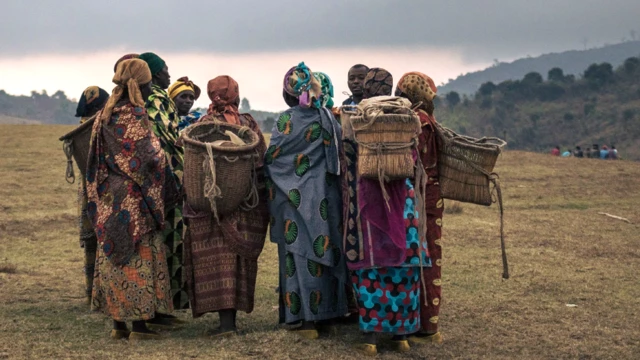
<point>181,85</point>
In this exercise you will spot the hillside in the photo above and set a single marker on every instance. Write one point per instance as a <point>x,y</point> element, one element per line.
<point>561,251</point>
<point>572,62</point>
<point>601,107</point>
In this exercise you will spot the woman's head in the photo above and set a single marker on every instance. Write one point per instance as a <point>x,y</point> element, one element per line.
<point>132,78</point>
<point>184,93</point>
<point>159,69</point>
<point>300,82</point>
<point>418,88</point>
<point>123,58</point>
<point>327,89</point>
<point>91,101</point>
<point>378,82</point>
<point>223,91</point>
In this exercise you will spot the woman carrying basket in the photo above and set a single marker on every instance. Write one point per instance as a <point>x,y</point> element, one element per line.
<point>421,90</point>
<point>382,244</point>
<point>221,258</point>
<point>303,168</point>
<point>92,100</point>
<point>129,187</point>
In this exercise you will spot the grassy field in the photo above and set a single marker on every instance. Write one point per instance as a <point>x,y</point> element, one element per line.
<point>561,252</point>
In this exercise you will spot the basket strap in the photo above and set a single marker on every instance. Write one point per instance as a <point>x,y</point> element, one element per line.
<point>67,147</point>
<point>495,180</point>
<point>211,189</point>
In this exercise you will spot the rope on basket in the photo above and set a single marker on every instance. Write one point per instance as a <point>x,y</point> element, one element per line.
<point>253,197</point>
<point>494,179</point>
<point>379,148</point>
<point>67,147</point>
<point>211,189</point>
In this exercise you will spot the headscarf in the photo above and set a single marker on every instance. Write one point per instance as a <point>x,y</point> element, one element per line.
<point>183,84</point>
<point>378,82</point>
<point>93,98</point>
<point>123,58</point>
<point>418,87</point>
<point>130,73</point>
<point>326,88</point>
<point>301,83</point>
<point>155,62</point>
<point>225,98</point>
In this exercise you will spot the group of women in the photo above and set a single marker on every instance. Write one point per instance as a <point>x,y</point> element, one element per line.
<point>345,253</point>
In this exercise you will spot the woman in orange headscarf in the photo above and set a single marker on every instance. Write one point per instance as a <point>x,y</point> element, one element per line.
<point>220,278</point>
<point>420,89</point>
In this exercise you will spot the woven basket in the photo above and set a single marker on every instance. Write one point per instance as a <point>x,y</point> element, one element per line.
<point>386,144</point>
<point>233,166</point>
<point>346,112</point>
<point>465,166</point>
<point>78,142</point>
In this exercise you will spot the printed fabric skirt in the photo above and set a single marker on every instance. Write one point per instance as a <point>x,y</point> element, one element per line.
<point>309,291</point>
<point>135,291</point>
<point>389,299</point>
<point>172,237</point>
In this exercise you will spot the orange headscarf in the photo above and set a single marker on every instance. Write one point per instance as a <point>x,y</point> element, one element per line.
<point>225,98</point>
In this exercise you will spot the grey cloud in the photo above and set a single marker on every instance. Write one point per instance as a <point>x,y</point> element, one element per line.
<point>482,29</point>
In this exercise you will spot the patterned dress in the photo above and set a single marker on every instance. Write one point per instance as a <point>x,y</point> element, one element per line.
<point>434,208</point>
<point>302,168</point>
<point>164,117</point>
<point>389,297</point>
<point>128,184</point>
<point>189,119</point>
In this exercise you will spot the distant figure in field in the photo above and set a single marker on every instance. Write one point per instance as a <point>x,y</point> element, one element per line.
<point>578,152</point>
<point>604,152</point>
<point>555,151</point>
<point>567,153</point>
<point>92,100</point>
<point>595,152</point>
<point>613,153</point>
<point>357,73</point>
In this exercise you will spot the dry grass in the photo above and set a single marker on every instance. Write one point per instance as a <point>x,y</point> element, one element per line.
<point>453,207</point>
<point>560,251</point>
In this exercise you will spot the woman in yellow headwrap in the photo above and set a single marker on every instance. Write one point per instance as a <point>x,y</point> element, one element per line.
<point>129,187</point>
<point>184,93</point>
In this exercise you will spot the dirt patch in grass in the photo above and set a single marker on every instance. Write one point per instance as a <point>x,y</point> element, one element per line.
<point>560,251</point>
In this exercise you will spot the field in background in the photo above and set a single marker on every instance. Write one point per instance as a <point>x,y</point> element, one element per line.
<point>10,120</point>
<point>561,252</point>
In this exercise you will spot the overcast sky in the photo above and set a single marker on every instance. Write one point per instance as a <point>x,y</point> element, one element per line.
<point>470,32</point>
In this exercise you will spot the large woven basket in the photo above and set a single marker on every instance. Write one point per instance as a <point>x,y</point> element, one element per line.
<point>465,166</point>
<point>77,144</point>
<point>233,166</point>
<point>386,144</point>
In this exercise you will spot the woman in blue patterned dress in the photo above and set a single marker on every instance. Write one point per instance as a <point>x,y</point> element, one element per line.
<point>302,168</point>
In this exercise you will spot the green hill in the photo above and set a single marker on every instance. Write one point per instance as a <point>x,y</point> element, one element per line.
<point>601,107</point>
<point>572,62</point>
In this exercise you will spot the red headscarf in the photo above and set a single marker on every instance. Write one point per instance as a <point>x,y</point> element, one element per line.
<point>225,98</point>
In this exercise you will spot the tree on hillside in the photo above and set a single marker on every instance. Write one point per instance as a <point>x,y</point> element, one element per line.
<point>532,78</point>
<point>487,88</point>
<point>453,99</point>
<point>244,105</point>
<point>599,74</point>
<point>556,74</point>
<point>631,65</point>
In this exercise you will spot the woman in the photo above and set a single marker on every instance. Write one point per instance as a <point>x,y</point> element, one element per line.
<point>164,119</point>
<point>383,245</point>
<point>184,93</point>
<point>221,259</point>
<point>129,186</point>
<point>420,89</point>
<point>91,101</point>
<point>302,167</point>
<point>326,87</point>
